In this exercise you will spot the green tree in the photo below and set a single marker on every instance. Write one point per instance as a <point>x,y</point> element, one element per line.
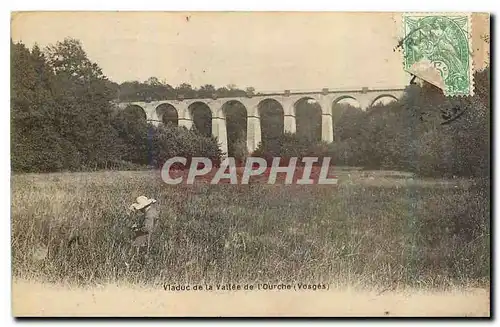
<point>35,143</point>
<point>84,108</point>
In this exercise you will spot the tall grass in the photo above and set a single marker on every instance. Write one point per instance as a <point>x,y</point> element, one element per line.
<point>417,234</point>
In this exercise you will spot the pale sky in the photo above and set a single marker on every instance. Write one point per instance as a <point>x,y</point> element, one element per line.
<point>270,51</point>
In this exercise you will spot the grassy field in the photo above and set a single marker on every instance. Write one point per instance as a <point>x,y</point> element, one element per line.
<point>373,230</point>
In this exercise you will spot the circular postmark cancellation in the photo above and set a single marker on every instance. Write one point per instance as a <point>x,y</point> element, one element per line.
<point>437,49</point>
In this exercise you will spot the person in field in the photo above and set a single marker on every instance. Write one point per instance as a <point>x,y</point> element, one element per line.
<point>146,214</point>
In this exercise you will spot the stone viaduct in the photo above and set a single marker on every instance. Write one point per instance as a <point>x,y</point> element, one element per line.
<point>326,98</point>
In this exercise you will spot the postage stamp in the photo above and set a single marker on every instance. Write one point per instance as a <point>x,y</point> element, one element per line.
<point>437,48</point>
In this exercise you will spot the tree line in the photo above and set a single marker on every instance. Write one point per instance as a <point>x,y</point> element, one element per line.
<point>154,89</point>
<point>413,134</point>
<point>63,118</point>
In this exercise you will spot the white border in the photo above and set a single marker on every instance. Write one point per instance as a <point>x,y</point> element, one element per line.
<point>184,5</point>
<point>257,5</point>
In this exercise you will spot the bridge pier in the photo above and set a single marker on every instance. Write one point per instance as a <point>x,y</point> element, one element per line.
<point>327,127</point>
<point>289,124</point>
<point>253,133</point>
<point>154,122</point>
<point>188,123</point>
<point>364,102</point>
<point>219,130</point>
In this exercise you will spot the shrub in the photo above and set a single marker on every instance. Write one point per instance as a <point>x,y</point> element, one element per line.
<point>290,145</point>
<point>171,141</point>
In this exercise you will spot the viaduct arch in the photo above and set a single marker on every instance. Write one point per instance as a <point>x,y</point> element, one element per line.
<point>158,112</point>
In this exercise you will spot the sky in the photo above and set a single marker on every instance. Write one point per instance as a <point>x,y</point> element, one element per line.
<point>269,51</point>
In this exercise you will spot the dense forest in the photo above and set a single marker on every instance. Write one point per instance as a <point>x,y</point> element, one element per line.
<point>63,118</point>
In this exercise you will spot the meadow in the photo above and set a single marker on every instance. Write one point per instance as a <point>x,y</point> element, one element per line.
<point>376,230</point>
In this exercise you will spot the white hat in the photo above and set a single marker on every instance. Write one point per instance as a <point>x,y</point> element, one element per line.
<point>142,201</point>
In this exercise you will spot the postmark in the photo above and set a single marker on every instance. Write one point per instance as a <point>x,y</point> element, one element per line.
<point>437,49</point>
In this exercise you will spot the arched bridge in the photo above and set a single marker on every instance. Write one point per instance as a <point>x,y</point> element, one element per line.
<point>326,98</point>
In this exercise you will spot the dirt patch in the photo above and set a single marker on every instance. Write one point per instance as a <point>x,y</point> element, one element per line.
<point>37,299</point>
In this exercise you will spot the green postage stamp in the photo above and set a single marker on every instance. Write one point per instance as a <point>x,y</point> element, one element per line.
<point>437,49</point>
